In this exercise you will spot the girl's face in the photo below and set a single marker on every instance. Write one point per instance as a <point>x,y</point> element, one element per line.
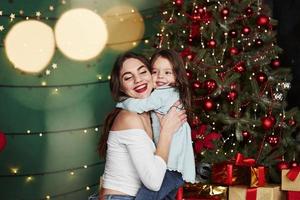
<point>162,72</point>
<point>135,79</point>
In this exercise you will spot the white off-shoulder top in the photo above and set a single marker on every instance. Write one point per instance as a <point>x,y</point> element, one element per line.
<point>130,160</point>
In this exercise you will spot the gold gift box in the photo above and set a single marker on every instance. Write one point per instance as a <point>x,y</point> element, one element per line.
<point>287,184</point>
<point>268,192</point>
<point>201,190</point>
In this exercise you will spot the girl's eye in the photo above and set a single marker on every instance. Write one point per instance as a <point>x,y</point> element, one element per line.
<point>168,72</point>
<point>153,72</point>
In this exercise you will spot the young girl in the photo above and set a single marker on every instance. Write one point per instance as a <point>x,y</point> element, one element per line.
<point>171,84</point>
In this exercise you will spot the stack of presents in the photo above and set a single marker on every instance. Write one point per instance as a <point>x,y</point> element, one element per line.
<point>242,180</point>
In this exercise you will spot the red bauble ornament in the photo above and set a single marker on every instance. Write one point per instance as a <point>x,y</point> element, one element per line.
<point>246,134</point>
<point>240,67</point>
<point>293,164</point>
<point>282,165</point>
<point>208,105</point>
<point>187,53</point>
<point>234,51</point>
<point>275,63</point>
<point>246,30</point>
<point>196,85</point>
<point>212,43</point>
<point>249,11</point>
<point>232,95</point>
<point>262,20</point>
<point>268,122</point>
<point>2,141</point>
<point>273,140</point>
<point>259,42</point>
<point>232,33</point>
<point>210,85</point>
<point>224,12</point>
<point>292,122</point>
<point>179,2</point>
<point>261,78</point>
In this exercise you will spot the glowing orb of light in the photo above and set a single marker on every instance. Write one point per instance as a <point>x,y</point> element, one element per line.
<point>80,34</point>
<point>125,26</point>
<point>30,45</point>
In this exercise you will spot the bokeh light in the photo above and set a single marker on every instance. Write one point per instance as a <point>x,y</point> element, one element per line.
<point>30,45</point>
<point>80,34</point>
<point>125,26</point>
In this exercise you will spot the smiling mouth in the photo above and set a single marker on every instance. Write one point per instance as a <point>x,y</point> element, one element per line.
<point>159,83</point>
<point>141,88</point>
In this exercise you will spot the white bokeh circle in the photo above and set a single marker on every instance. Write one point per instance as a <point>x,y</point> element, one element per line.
<point>80,34</point>
<point>30,45</point>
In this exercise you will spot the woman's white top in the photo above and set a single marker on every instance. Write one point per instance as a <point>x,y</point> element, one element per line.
<point>130,160</point>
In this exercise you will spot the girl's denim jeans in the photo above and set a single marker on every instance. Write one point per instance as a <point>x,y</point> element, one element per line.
<point>172,181</point>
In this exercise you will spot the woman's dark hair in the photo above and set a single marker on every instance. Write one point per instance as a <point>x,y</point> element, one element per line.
<point>181,80</point>
<point>117,94</point>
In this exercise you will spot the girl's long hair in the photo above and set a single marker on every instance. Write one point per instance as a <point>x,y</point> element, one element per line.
<point>181,80</point>
<point>118,95</point>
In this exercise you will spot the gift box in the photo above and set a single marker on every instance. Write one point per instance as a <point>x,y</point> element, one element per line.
<point>292,195</point>
<point>201,191</point>
<point>268,192</point>
<point>242,172</point>
<point>290,179</point>
<point>230,174</point>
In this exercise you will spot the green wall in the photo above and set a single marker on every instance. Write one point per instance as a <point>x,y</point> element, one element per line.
<point>67,118</point>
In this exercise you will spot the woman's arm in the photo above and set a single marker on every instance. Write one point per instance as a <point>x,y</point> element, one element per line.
<point>151,168</point>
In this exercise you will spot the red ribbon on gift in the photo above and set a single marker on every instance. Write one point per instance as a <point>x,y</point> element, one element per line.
<point>293,195</point>
<point>293,173</point>
<point>179,195</point>
<point>240,160</point>
<point>251,194</point>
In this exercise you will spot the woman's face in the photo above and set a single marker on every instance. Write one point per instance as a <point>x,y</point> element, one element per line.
<point>135,79</point>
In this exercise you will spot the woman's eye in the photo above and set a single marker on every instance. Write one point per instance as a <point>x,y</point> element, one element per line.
<point>144,72</point>
<point>127,78</point>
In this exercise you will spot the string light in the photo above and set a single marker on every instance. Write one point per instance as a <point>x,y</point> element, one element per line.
<point>41,133</point>
<point>14,171</point>
<point>29,178</point>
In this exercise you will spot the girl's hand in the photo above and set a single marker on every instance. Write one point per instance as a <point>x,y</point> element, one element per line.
<point>173,119</point>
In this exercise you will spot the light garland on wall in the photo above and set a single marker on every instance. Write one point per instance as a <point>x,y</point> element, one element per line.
<point>44,84</point>
<point>29,176</point>
<point>38,14</point>
<point>41,133</point>
<point>87,188</point>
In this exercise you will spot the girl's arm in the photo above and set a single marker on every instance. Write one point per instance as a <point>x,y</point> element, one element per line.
<point>154,101</point>
<point>169,125</point>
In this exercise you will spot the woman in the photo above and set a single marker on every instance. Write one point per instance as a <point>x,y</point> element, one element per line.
<point>131,157</point>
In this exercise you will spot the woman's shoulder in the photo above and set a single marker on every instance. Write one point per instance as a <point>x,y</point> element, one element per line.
<point>127,120</point>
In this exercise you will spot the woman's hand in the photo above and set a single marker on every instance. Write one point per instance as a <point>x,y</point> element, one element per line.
<point>173,119</point>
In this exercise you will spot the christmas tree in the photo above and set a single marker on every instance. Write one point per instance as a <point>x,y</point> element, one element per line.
<point>239,86</point>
